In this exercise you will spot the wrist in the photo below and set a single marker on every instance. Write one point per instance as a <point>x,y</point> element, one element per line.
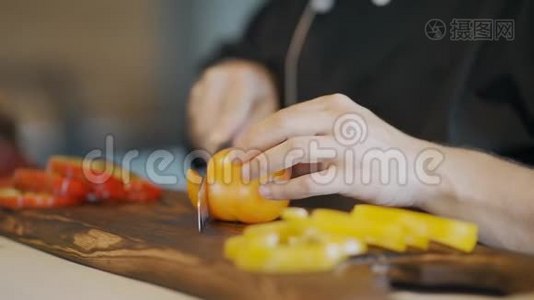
<point>432,172</point>
<point>254,74</point>
<point>253,69</point>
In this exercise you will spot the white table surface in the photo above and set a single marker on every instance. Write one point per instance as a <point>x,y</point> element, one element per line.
<point>28,274</point>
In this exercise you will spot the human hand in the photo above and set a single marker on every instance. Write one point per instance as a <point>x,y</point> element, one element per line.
<point>342,140</point>
<point>227,99</point>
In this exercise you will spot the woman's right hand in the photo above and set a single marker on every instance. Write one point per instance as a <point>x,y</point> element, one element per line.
<point>227,99</point>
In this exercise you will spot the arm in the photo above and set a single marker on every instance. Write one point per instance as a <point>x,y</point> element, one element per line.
<point>495,194</point>
<point>241,84</point>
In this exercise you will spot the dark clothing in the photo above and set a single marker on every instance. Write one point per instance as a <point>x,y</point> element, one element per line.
<point>477,94</point>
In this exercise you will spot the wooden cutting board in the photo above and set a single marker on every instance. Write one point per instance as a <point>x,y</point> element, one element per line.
<point>159,243</point>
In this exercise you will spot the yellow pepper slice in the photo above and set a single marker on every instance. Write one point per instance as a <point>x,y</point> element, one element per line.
<point>379,234</point>
<point>319,242</point>
<point>294,213</point>
<point>290,247</point>
<point>453,233</point>
<point>285,230</point>
<point>334,222</point>
<point>234,245</point>
<point>260,253</point>
<point>413,235</point>
<point>290,259</point>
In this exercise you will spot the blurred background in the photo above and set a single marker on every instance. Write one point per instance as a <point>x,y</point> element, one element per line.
<point>72,72</point>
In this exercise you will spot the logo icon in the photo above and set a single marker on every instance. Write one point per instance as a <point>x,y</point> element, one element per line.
<point>350,129</point>
<point>435,29</point>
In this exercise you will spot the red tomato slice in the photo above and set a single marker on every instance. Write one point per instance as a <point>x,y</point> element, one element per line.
<point>66,166</point>
<point>115,188</point>
<point>38,181</point>
<point>6,182</point>
<point>72,167</point>
<point>112,189</point>
<point>142,191</point>
<point>15,199</point>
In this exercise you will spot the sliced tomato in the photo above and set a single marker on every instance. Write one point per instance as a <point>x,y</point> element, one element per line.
<point>66,166</point>
<point>73,167</point>
<point>119,186</point>
<point>142,191</point>
<point>39,181</point>
<point>6,182</point>
<point>15,199</point>
<point>112,189</point>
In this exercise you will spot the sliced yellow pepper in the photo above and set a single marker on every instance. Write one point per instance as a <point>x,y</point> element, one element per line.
<point>413,235</point>
<point>233,245</point>
<point>290,247</point>
<point>453,233</point>
<point>294,213</point>
<point>378,234</point>
<point>290,259</point>
<point>299,243</point>
<point>285,230</point>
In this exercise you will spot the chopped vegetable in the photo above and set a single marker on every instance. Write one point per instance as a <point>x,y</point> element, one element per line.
<point>453,233</point>
<point>294,213</point>
<point>379,234</point>
<point>65,183</point>
<point>39,181</point>
<point>229,197</point>
<point>319,242</point>
<point>15,199</point>
<point>119,185</point>
<point>288,247</point>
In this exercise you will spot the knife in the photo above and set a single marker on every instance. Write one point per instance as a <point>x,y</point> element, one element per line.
<point>203,213</point>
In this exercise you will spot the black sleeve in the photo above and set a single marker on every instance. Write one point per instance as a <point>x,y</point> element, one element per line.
<point>523,66</point>
<point>506,82</point>
<point>266,38</point>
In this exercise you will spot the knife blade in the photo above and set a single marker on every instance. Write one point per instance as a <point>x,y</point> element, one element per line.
<point>203,214</point>
<point>202,206</point>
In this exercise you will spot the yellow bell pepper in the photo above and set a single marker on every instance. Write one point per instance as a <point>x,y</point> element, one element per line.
<point>294,213</point>
<point>319,242</point>
<point>290,259</point>
<point>229,196</point>
<point>257,254</point>
<point>234,245</point>
<point>383,235</point>
<point>453,233</point>
<point>290,247</point>
<point>413,236</point>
